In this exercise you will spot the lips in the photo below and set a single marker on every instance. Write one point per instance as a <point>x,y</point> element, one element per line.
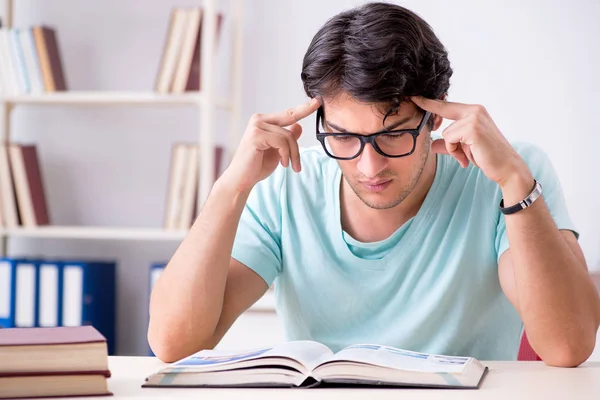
<point>376,186</point>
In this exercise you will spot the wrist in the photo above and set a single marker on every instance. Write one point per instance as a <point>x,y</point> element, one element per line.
<point>227,185</point>
<point>516,186</point>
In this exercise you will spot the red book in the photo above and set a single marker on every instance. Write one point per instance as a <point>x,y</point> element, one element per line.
<point>51,350</point>
<point>29,186</point>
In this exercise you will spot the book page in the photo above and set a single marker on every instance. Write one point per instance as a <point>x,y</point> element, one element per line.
<point>399,359</point>
<point>306,353</point>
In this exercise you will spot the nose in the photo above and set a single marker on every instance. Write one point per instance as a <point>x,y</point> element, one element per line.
<point>370,162</point>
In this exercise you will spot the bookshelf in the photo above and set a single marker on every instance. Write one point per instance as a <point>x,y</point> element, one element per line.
<point>108,98</point>
<point>205,101</point>
<point>92,232</point>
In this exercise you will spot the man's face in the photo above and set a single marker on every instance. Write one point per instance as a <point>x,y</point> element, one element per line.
<point>379,182</point>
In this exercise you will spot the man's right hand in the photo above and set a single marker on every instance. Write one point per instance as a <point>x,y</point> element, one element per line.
<point>268,140</point>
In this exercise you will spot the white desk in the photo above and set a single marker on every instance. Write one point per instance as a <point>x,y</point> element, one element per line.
<point>505,380</point>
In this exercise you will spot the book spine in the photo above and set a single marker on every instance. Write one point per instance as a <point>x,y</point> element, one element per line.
<point>8,284</point>
<point>35,183</point>
<point>26,290</point>
<point>56,68</point>
<point>49,294</point>
<point>99,300</point>
<point>43,58</point>
<point>20,66</point>
<point>156,270</point>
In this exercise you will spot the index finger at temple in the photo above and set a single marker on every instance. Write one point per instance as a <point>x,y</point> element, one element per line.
<point>294,114</point>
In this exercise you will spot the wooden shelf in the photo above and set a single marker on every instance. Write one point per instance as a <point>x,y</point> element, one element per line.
<point>113,98</point>
<point>86,232</point>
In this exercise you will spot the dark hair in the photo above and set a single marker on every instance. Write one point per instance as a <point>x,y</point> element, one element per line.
<point>378,53</point>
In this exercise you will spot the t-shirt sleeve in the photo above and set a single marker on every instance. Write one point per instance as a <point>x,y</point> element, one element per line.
<point>543,171</point>
<point>257,242</point>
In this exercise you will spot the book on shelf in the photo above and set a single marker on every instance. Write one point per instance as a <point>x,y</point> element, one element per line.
<point>30,61</point>
<point>22,193</point>
<point>180,64</point>
<point>50,362</point>
<point>9,214</point>
<point>312,364</point>
<point>29,186</point>
<point>183,182</point>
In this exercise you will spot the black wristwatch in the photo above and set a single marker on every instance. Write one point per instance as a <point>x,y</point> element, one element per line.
<point>526,202</point>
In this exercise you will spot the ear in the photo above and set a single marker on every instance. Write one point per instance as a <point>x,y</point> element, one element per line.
<point>437,120</point>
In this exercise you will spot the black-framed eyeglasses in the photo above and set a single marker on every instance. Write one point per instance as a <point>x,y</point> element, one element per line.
<point>347,146</point>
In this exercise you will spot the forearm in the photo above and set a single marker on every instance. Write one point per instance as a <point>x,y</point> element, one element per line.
<point>556,298</point>
<point>187,300</point>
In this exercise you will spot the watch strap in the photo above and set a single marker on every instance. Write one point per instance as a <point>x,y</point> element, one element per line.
<point>526,202</point>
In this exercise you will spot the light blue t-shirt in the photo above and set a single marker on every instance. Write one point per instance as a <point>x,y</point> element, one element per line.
<point>432,286</point>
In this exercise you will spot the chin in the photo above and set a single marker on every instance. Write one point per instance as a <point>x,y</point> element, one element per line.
<point>380,201</point>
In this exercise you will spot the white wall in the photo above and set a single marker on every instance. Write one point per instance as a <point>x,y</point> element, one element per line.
<point>532,64</point>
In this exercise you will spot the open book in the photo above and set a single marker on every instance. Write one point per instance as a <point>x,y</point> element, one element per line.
<point>309,364</point>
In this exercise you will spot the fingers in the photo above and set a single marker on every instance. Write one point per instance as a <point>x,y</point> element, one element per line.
<point>265,140</point>
<point>452,144</point>
<point>439,146</point>
<point>444,109</point>
<point>290,136</point>
<point>455,150</point>
<point>467,150</point>
<point>292,115</point>
<point>296,130</point>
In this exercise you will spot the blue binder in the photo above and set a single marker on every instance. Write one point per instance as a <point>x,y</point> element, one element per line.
<point>50,289</point>
<point>26,293</point>
<point>8,283</point>
<point>89,297</point>
<point>19,291</point>
<point>155,270</point>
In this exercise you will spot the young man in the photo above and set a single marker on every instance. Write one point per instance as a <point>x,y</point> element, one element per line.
<point>383,235</point>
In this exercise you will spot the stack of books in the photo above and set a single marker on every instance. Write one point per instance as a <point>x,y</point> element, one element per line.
<point>51,362</point>
<point>30,61</point>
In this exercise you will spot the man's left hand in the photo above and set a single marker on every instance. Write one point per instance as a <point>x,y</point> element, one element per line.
<point>474,137</point>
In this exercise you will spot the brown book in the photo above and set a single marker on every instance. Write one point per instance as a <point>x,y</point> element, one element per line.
<point>49,58</point>
<point>193,83</point>
<point>62,385</point>
<point>36,184</point>
<point>27,177</point>
<point>26,351</point>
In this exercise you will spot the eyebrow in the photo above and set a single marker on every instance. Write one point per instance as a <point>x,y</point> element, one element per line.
<point>390,128</point>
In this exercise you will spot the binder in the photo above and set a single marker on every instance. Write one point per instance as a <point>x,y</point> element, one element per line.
<point>49,297</point>
<point>8,284</point>
<point>155,270</point>
<point>89,297</point>
<point>26,293</point>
